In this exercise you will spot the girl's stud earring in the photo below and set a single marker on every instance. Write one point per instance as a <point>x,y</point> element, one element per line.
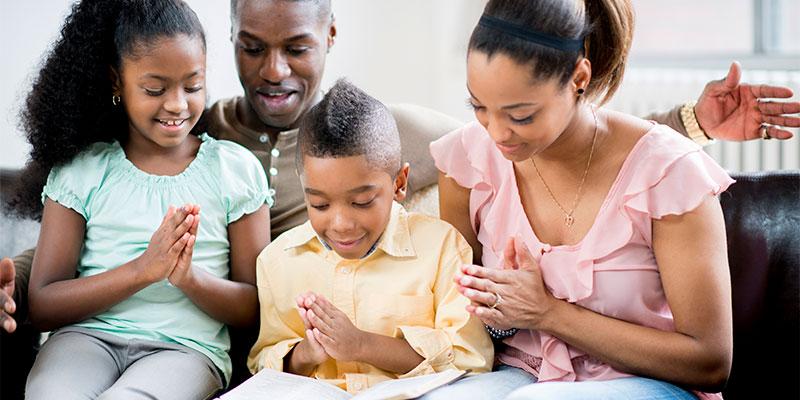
<point>115,100</point>
<point>580,91</point>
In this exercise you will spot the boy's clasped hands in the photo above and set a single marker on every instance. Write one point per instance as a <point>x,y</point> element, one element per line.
<point>329,331</point>
<point>169,253</point>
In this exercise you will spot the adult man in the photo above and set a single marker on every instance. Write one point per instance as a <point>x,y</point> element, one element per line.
<point>280,48</point>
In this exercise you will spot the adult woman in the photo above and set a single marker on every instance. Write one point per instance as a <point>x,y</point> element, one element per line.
<point>629,276</point>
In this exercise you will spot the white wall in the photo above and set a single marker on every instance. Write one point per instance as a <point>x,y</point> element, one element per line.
<point>406,50</point>
<point>23,37</point>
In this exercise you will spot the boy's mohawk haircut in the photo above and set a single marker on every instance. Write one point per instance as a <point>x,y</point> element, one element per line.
<point>349,122</point>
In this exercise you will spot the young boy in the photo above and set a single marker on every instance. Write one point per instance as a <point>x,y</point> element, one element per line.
<point>362,292</point>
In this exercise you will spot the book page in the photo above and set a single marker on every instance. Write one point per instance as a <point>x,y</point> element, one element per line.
<point>271,384</point>
<point>409,388</point>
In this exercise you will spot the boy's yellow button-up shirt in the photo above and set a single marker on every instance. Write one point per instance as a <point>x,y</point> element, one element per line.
<point>403,289</point>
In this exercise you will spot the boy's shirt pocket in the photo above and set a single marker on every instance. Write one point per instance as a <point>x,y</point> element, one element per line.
<point>384,312</point>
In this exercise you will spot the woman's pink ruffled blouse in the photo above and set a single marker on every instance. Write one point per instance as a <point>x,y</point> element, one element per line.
<point>611,271</point>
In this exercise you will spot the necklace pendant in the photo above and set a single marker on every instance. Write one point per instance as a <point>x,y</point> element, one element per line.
<point>569,220</point>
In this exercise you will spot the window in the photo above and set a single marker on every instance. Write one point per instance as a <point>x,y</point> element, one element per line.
<point>689,33</point>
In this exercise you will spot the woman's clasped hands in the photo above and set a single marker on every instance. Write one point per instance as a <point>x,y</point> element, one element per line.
<point>513,296</point>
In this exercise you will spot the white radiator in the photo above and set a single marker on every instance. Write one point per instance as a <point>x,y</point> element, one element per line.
<point>653,89</point>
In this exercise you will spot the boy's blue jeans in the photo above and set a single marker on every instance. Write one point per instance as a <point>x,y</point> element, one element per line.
<point>512,383</point>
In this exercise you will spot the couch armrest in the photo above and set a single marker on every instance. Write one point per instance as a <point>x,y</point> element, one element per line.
<point>8,178</point>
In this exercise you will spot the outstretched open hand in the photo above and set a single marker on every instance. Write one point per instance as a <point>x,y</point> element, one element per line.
<point>730,110</point>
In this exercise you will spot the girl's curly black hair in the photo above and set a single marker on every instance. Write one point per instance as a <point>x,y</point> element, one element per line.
<point>69,106</point>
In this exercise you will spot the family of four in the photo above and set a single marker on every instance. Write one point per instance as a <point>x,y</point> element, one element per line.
<point>580,253</point>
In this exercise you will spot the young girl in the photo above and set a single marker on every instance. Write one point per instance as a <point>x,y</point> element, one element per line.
<point>605,245</point>
<point>136,288</point>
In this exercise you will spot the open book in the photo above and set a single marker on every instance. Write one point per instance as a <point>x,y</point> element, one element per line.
<point>271,384</point>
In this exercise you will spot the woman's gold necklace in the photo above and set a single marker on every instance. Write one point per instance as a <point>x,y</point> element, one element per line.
<point>569,219</point>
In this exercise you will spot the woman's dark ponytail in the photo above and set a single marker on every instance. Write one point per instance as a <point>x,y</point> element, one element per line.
<point>608,44</point>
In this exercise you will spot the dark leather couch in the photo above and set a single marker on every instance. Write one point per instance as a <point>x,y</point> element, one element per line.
<point>762,217</point>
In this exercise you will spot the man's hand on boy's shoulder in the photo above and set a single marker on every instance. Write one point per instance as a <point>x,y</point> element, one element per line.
<point>333,329</point>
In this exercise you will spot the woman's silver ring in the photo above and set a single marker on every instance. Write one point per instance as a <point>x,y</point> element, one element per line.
<point>497,301</point>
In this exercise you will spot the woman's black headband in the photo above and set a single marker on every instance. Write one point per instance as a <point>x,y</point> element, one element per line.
<point>524,33</point>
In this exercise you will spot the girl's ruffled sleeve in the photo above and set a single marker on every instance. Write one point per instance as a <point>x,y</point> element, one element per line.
<point>72,185</point>
<point>246,188</point>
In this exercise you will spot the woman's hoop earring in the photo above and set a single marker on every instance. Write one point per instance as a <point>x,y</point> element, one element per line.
<point>115,99</point>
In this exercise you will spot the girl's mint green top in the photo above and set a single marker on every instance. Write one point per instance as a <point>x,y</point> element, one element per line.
<point>123,206</point>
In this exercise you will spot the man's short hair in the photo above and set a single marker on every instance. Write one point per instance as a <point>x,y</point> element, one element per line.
<point>324,7</point>
<point>349,122</point>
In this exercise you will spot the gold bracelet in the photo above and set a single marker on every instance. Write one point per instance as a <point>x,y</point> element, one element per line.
<point>693,129</point>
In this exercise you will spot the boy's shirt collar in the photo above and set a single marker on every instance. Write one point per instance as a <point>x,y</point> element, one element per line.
<point>369,252</point>
<point>395,240</point>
